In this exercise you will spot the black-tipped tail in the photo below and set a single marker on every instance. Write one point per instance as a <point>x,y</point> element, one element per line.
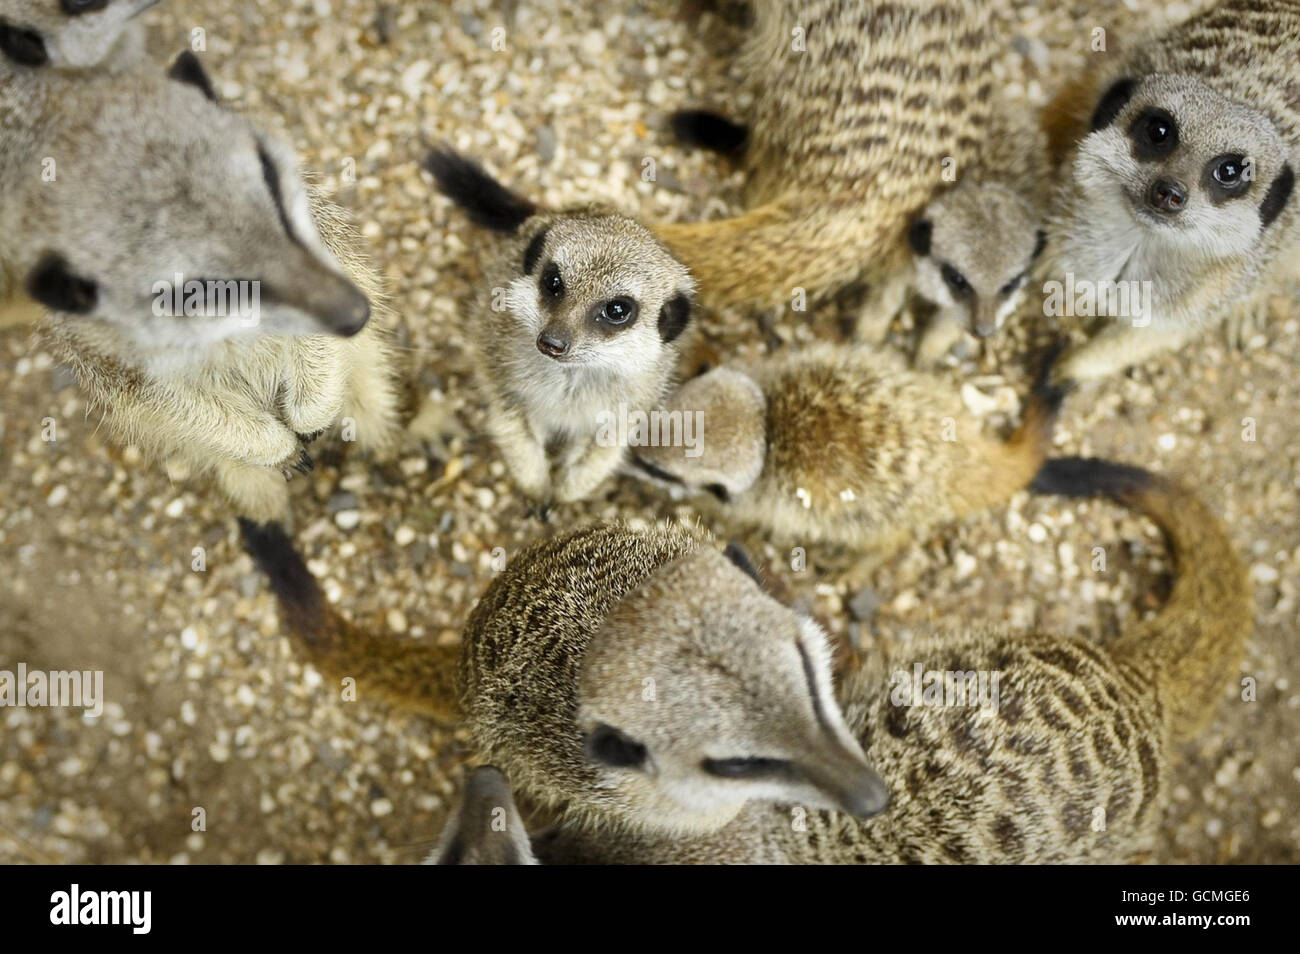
<point>708,130</point>
<point>487,202</point>
<point>1090,477</point>
<point>291,581</point>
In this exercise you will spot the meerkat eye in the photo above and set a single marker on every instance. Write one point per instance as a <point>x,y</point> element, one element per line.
<point>74,7</point>
<point>1155,134</point>
<point>1012,285</point>
<point>617,311</point>
<point>1228,172</point>
<point>552,283</point>
<point>745,767</point>
<point>955,279</point>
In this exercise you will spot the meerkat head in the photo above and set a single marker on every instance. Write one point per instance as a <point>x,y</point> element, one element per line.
<point>729,425</point>
<point>72,34</point>
<point>174,220</point>
<point>1186,166</point>
<point>485,829</point>
<point>973,248</point>
<point>700,693</point>
<point>595,290</point>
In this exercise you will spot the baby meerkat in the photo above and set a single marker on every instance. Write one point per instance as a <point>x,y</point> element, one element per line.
<point>190,289</point>
<point>1176,205</point>
<point>857,110</point>
<point>645,691</point>
<point>839,445</point>
<point>71,34</point>
<point>586,315</point>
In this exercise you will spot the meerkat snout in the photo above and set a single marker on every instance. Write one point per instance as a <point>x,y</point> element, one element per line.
<point>1167,195</point>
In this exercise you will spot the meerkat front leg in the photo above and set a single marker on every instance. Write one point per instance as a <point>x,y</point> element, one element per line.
<point>524,453</point>
<point>942,332</point>
<point>1117,347</point>
<point>585,469</point>
<point>316,377</point>
<point>886,300</point>
<point>1248,318</point>
<point>372,401</point>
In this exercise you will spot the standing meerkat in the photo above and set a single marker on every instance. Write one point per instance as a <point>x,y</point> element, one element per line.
<point>1178,199</point>
<point>858,110</point>
<point>644,690</point>
<point>71,34</point>
<point>120,188</point>
<point>586,316</point>
<point>836,445</point>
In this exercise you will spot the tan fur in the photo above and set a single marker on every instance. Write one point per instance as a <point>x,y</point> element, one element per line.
<point>847,141</point>
<point>847,448</point>
<point>192,392</point>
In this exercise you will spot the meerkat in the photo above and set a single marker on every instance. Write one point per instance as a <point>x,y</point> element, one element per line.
<point>585,321</point>
<point>118,188</point>
<point>71,34</point>
<point>1175,206</point>
<point>839,445</point>
<point>485,828</point>
<point>858,110</point>
<point>642,689</point>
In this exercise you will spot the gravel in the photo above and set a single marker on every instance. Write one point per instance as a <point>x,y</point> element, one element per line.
<point>217,745</point>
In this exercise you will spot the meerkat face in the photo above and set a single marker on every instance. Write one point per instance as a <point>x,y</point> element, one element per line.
<point>729,417</point>
<point>700,692</point>
<point>972,249</point>
<point>192,228</point>
<point>70,34</point>
<point>1175,160</point>
<point>597,292</point>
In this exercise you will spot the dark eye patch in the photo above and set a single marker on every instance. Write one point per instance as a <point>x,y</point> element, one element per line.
<point>1015,283</point>
<point>746,767</point>
<point>24,47</point>
<point>608,746</point>
<point>1226,177</point>
<point>1154,134</point>
<point>955,280</point>
<point>272,179</point>
<point>53,283</point>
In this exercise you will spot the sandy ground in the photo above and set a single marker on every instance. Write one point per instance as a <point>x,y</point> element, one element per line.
<point>207,707</point>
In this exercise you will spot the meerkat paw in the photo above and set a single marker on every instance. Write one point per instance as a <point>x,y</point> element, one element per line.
<point>258,494</point>
<point>1246,322</point>
<point>936,343</point>
<point>884,303</point>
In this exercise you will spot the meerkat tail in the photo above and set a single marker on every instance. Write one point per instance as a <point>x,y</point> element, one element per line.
<point>766,255</point>
<point>708,130</point>
<point>1191,648</point>
<point>417,677</point>
<point>487,202</point>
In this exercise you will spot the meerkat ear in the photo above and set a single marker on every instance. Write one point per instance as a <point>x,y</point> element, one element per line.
<point>608,746</point>
<point>186,68</point>
<point>53,284</point>
<point>1040,243</point>
<point>674,316</point>
<point>1112,103</point>
<point>486,828</point>
<point>737,555</point>
<point>1279,193</point>
<point>24,47</point>
<point>533,254</point>
<point>919,235</point>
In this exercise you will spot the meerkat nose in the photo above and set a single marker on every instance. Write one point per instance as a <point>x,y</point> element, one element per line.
<point>1166,195</point>
<point>349,314</point>
<point>847,779</point>
<point>554,344</point>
